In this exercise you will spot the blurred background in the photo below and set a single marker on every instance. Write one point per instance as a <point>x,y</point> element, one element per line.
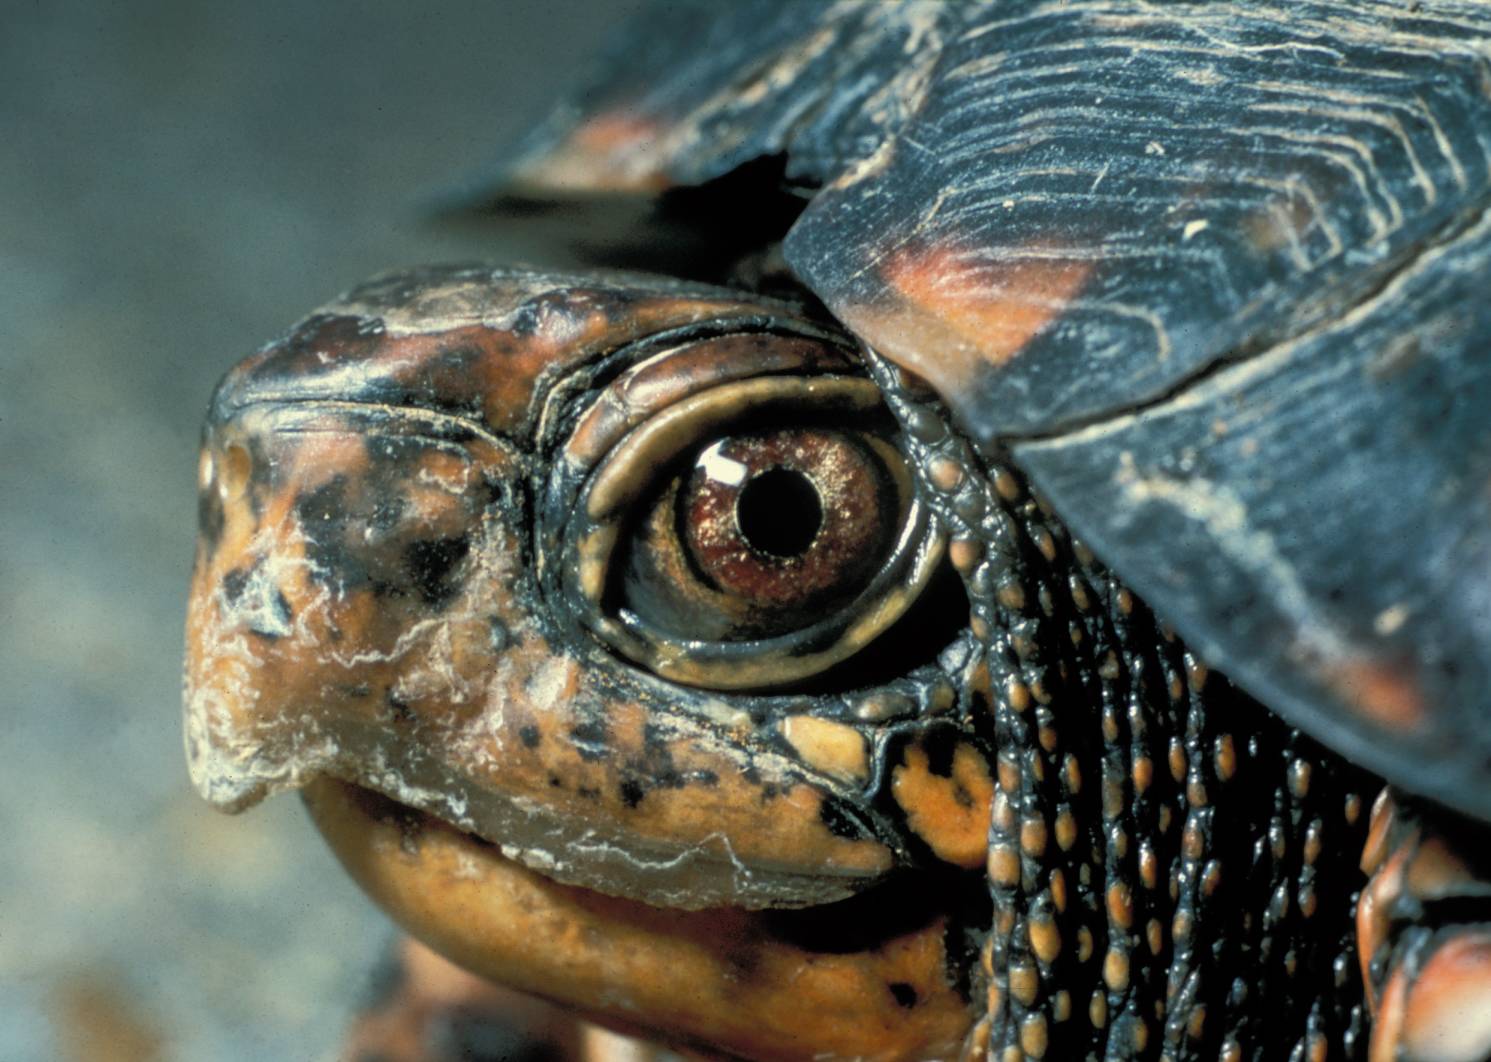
<point>179,182</point>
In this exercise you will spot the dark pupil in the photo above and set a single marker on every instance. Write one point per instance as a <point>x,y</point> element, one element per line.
<point>779,513</point>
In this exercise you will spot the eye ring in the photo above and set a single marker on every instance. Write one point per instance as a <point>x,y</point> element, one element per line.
<point>627,475</point>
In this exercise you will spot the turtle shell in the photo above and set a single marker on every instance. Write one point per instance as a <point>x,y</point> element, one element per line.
<point>1213,275</point>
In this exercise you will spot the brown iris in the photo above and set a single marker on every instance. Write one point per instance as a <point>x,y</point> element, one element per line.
<point>765,533</point>
<point>787,519</point>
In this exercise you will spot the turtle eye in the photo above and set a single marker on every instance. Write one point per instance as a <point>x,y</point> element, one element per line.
<point>754,535</point>
<point>758,534</point>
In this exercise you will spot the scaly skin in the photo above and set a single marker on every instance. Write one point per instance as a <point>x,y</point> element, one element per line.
<point>1168,861</point>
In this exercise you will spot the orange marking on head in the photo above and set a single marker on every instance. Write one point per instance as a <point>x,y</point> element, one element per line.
<point>950,813</point>
<point>953,317</point>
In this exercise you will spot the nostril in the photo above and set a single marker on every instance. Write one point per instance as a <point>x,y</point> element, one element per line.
<point>233,476</point>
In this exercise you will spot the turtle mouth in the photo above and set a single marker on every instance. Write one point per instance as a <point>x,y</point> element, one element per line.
<point>874,976</point>
<point>507,829</point>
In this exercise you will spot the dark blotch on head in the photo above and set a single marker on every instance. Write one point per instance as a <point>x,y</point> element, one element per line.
<point>904,994</point>
<point>632,792</point>
<point>234,584</point>
<point>281,619</point>
<point>210,519</point>
<point>429,564</point>
<point>590,741</point>
<point>266,609</point>
<point>387,514</point>
<point>323,513</point>
<point>656,762</point>
<point>529,735</point>
<point>398,706</point>
<point>841,819</point>
<point>306,353</point>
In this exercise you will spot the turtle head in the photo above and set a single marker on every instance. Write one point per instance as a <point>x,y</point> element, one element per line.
<point>545,589</point>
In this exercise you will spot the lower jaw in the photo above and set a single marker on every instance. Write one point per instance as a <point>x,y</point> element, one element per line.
<point>866,978</point>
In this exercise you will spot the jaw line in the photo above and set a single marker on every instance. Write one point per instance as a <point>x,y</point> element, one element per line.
<point>748,982</point>
<point>707,874</point>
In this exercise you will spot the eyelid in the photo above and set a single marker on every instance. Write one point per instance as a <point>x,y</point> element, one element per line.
<point>673,375</point>
<point>627,479</point>
<point>624,475</point>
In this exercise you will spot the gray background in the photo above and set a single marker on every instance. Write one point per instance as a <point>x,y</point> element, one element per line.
<point>178,183</point>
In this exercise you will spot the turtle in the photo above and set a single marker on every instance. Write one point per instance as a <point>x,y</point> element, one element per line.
<point>993,563</point>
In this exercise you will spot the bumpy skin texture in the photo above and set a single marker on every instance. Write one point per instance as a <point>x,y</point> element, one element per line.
<point>1168,862</point>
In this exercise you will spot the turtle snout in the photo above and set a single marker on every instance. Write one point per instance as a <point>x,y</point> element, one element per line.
<point>348,566</point>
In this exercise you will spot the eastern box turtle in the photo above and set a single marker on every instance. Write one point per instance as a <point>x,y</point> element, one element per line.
<point>973,609</point>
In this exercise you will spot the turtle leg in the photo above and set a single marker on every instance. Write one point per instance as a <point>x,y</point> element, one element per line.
<point>423,1008</point>
<point>1424,934</point>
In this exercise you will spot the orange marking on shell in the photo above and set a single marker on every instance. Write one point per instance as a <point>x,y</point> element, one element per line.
<point>954,318</point>
<point>1381,693</point>
<point>1447,1017</point>
<point>950,813</point>
<point>616,151</point>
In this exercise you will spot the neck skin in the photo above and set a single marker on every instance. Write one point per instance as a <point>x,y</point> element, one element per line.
<point>1173,869</point>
